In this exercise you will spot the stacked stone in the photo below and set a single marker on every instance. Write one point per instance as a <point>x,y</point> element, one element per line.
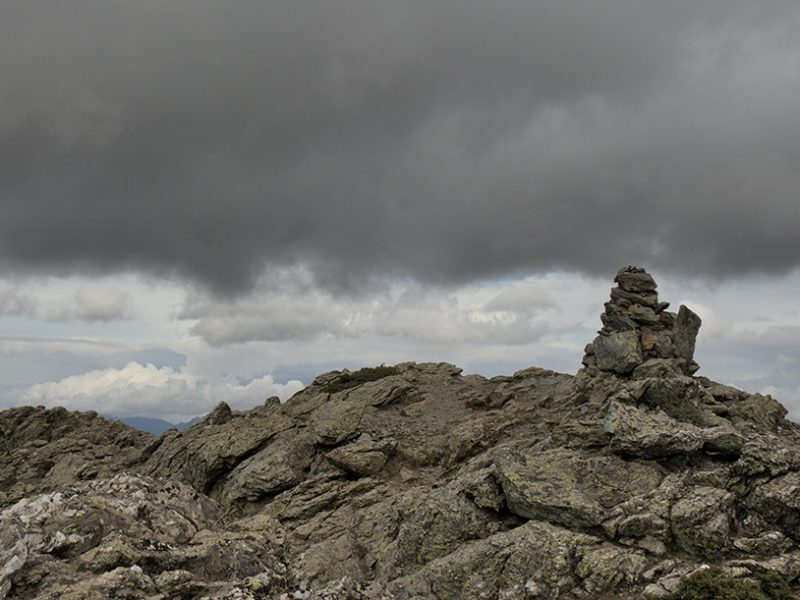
<point>640,337</point>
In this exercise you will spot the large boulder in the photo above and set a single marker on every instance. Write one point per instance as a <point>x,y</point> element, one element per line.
<point>619,352</point>
<point>93,539</point>
<point>205,454</point>
<point>701,521</point>
<point>363,457</point>
<point>570,488</point>
<point>646,433</point>
<point>778,502</point>
<point>280,465</point>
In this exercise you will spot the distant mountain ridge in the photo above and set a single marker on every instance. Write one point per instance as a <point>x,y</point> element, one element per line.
<point>627,480</point>
<point>154,426</point>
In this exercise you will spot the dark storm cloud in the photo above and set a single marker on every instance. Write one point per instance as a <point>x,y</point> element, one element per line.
<point>438,140</point>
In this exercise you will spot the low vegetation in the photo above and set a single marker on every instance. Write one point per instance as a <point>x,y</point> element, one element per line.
<point>712,584</point>
<point>350,380</point>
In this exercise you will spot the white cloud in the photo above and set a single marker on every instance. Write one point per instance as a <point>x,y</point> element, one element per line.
<point>138,389</point>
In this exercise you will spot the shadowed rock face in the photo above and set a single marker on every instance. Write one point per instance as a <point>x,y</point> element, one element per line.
<point>418,482</point>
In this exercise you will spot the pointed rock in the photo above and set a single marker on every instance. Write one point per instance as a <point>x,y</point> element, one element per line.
<point>684,333</point>
<point>220,415</point>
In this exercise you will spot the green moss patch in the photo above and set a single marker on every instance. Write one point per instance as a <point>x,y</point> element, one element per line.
<point>711,584</point>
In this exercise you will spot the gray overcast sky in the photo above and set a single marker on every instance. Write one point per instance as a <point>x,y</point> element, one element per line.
<point>186,183</point>
<point>442,140</point>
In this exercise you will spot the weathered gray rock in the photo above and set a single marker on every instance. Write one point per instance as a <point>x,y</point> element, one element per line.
<point>635,280</point>
<point>220,415</point>
<point>570,488</point>
<point>767,455</point>
<point>658,368</point>
<point>657,343</point>
<point>363,457</point>
<point>622,300</point>
<point>280,465</point>
<point>684,333</point>
<point>96,533</point>
<point>701,521</point>
<point>41,449</point>
<point>679,397</point>
<point>205,454</point>
<point>619,352</point>
<point>763,410</point>
<point>636,431</point>
<point>770,543</point>
<point>723,440</point>
<point>535,560</point>
<point>778,502</point>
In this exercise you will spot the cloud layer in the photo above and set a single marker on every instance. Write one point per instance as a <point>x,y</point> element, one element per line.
<point>442,142</point>
<point>519,312</point>
<point>63,301</point>
<point>138,389</point>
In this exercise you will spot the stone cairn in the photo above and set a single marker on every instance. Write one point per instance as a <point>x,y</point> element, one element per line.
<point>640,337</point>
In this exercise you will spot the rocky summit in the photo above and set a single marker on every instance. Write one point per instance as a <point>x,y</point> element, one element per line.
<point>625,480</point>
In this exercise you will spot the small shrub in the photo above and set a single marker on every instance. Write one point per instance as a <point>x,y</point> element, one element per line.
<point>711,584</point>
<point>351,380</point>
<point>775,586</point>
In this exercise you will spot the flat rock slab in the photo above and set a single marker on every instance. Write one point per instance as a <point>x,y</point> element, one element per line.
<point>644,433</point>
<point>635,281</point>
<point>570,488</point>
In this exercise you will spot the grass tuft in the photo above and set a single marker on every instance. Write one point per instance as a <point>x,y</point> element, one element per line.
<point>711,584</point>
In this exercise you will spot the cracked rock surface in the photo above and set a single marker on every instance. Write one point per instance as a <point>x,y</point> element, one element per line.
<point>419,482</point>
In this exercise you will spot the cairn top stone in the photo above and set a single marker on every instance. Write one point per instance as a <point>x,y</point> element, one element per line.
<point>638,329</point>
<point>635,280</point>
